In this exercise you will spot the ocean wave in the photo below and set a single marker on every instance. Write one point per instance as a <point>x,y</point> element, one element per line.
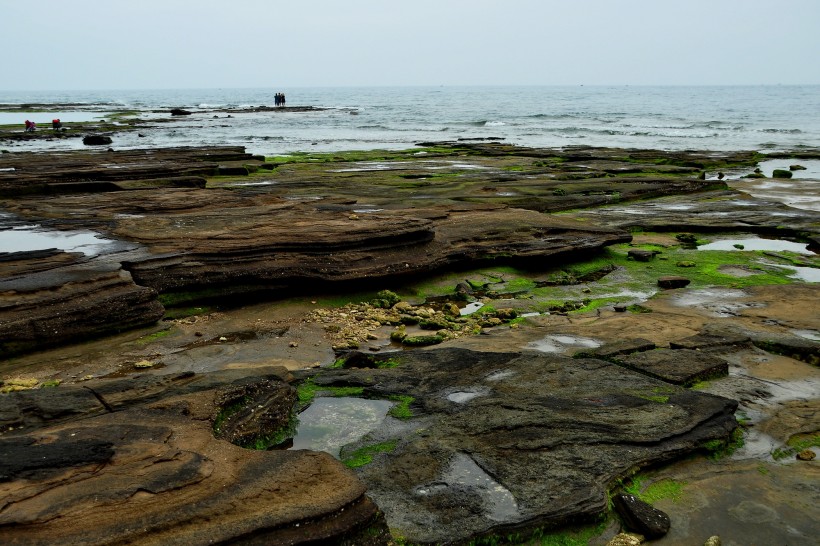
<point>633,133</point>
<point>783,131</point>
<point>485,123</point>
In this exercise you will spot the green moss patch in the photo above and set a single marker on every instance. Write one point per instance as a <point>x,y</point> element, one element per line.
<point>364,455</point>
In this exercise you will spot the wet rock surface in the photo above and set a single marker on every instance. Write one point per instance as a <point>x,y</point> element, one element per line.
<point>536,446</point>
<point>680,367</point>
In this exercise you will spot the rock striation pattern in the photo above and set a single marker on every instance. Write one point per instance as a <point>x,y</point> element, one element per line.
<point>136,461</point>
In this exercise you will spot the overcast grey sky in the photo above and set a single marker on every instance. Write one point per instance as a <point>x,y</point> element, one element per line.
<point>127,44</point>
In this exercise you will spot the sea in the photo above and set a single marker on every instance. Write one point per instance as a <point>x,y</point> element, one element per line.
<point>765,118</point>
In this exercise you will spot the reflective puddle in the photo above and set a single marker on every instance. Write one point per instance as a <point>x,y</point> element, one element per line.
<point>470,308</point>
<point>330,423</point>
<point>499,503</point>
<point>562,343</point>
<point>461,397</point>
<point>754,243</point>
<point>27,238</point>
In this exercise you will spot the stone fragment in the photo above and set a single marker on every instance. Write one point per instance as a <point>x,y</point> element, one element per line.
<point>712,541</point>
<point>806,455</point>
<point>626,539</point>
<point>642,517</point>
<point>640,255</point>
<point>673,281</point>
<point>797,168</point>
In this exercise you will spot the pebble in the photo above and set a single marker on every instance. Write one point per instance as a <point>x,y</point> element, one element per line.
<point>806,455</point>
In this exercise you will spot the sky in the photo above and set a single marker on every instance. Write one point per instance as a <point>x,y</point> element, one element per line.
<point>172,44</point>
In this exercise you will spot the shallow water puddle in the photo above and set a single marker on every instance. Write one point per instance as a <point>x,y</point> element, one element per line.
<point>499,503</point>
<point>462,397</point>
<point>562,343</point>
<point>718,301</point>
<point>813,335</point>
<point>805,274</point>
<point>28,238</point>
<point>755,243</point>
<point>330,423</point>
<point>470,308</point>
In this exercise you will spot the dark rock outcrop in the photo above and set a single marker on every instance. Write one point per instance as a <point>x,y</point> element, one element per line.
<point>180,112</point>
<point>516,441</point>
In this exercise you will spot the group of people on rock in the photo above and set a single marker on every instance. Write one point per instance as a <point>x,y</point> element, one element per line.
<point>31,126</point>
<point>279,99</point>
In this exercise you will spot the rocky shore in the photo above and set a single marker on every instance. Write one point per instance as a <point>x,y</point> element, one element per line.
<point>155,377</point>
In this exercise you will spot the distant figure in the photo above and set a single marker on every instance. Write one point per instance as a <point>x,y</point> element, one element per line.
<point>281,99</point>
<point>30,126</point>
<point>56,124</point>
<point>276,99</point>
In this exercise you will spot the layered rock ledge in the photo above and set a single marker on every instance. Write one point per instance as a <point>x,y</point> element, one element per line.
<point>136,461</point>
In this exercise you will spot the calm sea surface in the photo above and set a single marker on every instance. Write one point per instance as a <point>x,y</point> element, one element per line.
<point>714,118</point>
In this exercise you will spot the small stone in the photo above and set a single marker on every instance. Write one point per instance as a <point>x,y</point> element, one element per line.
<point>626,539</point>
<point>641,516</point>
<point>797,168</point>
<point>294,344</point>
<point>685,263</point>
<point>371,336</point>
<point>641,255</point>
<point>712,541</point>
<point>198,334</point>
<point>620,307</point>
<point>353,217</point>
<point>673,281</point>
<point>223,338</point>
<point>144,364</point>
<point>806,455</point>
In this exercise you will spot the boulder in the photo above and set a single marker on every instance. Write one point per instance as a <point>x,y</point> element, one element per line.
<point>180,112</point>
<point>640,255</point>
<point>797,168</point>
<point>642,517</point>
<point>673,281</point>
<point>781,173</point>
<point>96,140</point>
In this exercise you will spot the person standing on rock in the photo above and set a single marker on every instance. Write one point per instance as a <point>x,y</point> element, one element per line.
<point>282,99</point>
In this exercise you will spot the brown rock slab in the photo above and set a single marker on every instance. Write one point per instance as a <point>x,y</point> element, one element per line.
<point>679,367</point>
<point>673,281</point>
<point>153,473</point>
